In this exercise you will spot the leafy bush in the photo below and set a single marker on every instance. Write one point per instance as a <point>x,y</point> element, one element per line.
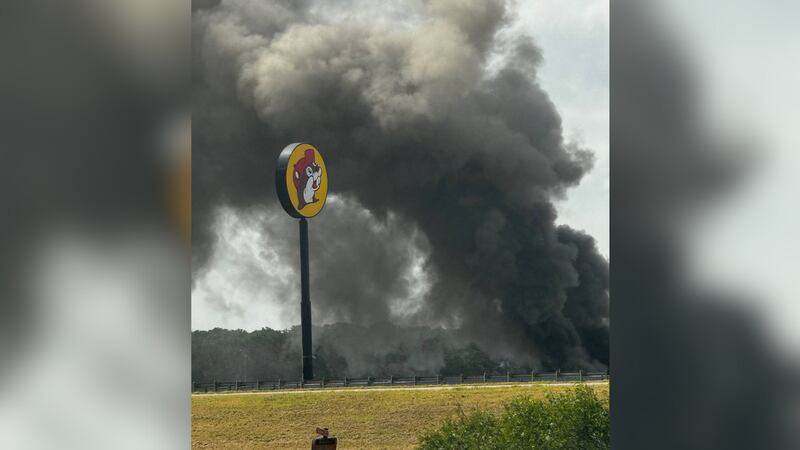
<point>574,419</point>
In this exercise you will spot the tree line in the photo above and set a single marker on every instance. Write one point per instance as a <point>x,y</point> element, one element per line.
<point>340,350</point>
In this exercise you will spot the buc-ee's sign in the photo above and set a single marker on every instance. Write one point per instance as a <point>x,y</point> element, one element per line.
<point>301,180</point>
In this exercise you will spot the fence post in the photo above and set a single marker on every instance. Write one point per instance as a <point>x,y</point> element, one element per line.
<point>461,378</point>
<point>557,370</point>
<point>484,377</point>
<point>580,374</point>
<point>437,379</point>
<point>415,380</point>
<point>236,385</point>
<point>532,375</point>
<point>215,385</point>
<point>508,376</point>
<point>391,380</point>
<point>279,383</point>
<point>345,381</point>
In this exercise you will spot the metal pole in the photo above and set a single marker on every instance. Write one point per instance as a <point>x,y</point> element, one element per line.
<point>305,303</point>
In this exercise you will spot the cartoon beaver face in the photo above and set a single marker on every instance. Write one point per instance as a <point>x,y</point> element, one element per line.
<point>307,179</point>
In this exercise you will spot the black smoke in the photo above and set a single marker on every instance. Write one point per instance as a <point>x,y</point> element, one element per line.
<point>443,150</point>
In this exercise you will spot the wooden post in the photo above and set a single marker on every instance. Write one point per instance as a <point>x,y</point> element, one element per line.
<point>437,379</point>
<point>391,380</point>
<point>461,378</point>
<point>215,385</point>
<point>508,376</point>
<point>345,381</point>
<point>532,375</point>
<point>557,370</point>
<point>415,380</point>
<point>484,377</point>
<point>580,374</point>
<point>236,385</point>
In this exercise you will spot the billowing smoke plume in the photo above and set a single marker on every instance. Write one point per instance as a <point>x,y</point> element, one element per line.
<point>444,156</point>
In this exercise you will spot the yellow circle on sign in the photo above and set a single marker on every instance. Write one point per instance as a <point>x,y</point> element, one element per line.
<point>306,180</point>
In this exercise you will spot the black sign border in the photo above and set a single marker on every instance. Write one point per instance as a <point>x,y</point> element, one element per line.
<point>281,186</point>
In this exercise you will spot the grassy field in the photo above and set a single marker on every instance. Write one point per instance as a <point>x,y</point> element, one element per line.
<point>365,418</point>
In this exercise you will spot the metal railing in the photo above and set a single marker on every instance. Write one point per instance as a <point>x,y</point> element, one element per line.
<point>508,377</point>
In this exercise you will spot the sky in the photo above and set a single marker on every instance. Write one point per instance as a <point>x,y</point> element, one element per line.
<point>573,38</point>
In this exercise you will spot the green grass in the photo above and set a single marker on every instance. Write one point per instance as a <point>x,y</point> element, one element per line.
<point>359,418</point>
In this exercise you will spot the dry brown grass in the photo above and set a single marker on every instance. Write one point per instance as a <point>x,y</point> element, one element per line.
<point>359,418</point>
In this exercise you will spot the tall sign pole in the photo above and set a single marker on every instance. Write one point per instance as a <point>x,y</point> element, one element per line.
<point>305,303</point>
<point>301,182</point>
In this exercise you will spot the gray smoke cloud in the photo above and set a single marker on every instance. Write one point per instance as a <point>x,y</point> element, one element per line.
<point>445,156</point>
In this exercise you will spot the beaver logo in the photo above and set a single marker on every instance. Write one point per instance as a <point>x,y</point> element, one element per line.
<point>307,179</point>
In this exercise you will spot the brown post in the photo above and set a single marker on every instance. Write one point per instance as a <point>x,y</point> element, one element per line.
<point>325,441</point>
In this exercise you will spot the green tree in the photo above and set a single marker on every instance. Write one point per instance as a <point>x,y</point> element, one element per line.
<point>575,419</point>
<point>469,360</point>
